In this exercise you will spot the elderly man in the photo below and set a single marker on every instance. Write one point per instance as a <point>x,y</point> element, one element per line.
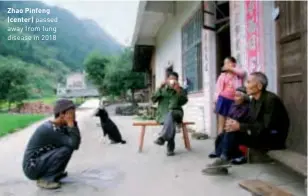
<point>170,98</point>
<point>51,146</point>
<point>268,126</point>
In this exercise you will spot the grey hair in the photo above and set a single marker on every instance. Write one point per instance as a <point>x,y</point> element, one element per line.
<point>262,78</point>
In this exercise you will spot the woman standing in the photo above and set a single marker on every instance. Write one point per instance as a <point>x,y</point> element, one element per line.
<point>228,81</point>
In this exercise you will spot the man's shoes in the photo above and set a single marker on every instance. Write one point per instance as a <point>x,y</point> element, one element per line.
<point>159,141</point>
<point>170,153</point>
<point>219,163</point>
<point>47,184</point>
<point>212,155</point>
<point>239,160</point>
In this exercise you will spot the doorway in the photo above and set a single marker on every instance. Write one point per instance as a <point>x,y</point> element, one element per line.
<point>291,40</point>
<point>223,38</point>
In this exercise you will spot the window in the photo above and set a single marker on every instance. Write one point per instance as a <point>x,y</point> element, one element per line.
<point>191,52</point>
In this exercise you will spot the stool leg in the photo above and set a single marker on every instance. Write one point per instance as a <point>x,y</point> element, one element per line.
<point>186,137</point>
<point>141,138</point>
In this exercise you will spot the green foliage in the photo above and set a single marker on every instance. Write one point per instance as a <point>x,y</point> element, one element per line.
<point>39,82</point>
<point>17,94</point>
<point>12,122</point>
<point>95,67</point>
<point>114,75</point>
<point>121,74</point>
<point>48,62</point>
<point>13,83</point>
<point>74,38</point>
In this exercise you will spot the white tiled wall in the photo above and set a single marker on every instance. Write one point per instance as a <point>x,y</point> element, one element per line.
<point>168,49</point>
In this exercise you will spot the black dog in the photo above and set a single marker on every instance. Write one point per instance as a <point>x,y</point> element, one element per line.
<point>109,128</point>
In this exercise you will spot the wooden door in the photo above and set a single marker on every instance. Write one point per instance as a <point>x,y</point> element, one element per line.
<point>292,69</point>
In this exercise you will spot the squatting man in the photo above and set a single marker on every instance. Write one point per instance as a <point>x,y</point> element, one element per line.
<point>51,146</point>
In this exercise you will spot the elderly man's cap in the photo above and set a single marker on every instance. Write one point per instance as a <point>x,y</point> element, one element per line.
<point>241,89</point>
<point>62,105</point>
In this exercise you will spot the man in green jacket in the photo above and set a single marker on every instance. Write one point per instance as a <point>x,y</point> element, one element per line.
<point>170,98</point>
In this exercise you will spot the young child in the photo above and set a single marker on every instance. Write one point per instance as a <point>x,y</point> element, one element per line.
<point>230,79</point>
<point>239,112</point>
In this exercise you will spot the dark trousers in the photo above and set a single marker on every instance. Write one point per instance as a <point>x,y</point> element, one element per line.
<point>169,130</point>
<point>227,144</point>
<point>50,165</point>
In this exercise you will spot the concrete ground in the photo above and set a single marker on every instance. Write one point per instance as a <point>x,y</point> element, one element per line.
<point>99,168</point>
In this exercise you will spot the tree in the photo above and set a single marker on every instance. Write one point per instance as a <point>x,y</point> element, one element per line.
<point>120,78</point>
<point>113,75</point>
<point>95,65</point>
<point>13,83</point>
<point>17,94</point>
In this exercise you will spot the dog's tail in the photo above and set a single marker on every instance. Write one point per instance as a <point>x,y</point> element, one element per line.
<point>123,142</point>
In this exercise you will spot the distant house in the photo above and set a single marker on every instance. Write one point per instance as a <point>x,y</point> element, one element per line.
<point>76,86</point>
<point>75,81</point>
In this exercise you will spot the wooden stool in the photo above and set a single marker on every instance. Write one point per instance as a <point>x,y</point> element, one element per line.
<point>261,188</point>
<point>144,124</point>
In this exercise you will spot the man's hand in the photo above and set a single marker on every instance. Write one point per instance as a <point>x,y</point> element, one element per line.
<point>227,68</point>
<point>176,86</point>
<point>70,118</point>
<point>232,125</point>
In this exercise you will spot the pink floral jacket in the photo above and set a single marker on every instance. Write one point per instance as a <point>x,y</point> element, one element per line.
<point>227,83</point>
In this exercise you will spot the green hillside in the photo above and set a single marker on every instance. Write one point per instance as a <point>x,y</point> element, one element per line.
<point>48,61</point>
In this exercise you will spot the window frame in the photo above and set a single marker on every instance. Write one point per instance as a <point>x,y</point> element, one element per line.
<point>196,16</point>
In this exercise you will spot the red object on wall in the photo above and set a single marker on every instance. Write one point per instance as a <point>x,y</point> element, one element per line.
<point>254,33</point>
<point>243,149</point>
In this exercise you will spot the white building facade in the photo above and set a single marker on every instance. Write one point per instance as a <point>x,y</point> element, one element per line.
<point>193,37</point>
